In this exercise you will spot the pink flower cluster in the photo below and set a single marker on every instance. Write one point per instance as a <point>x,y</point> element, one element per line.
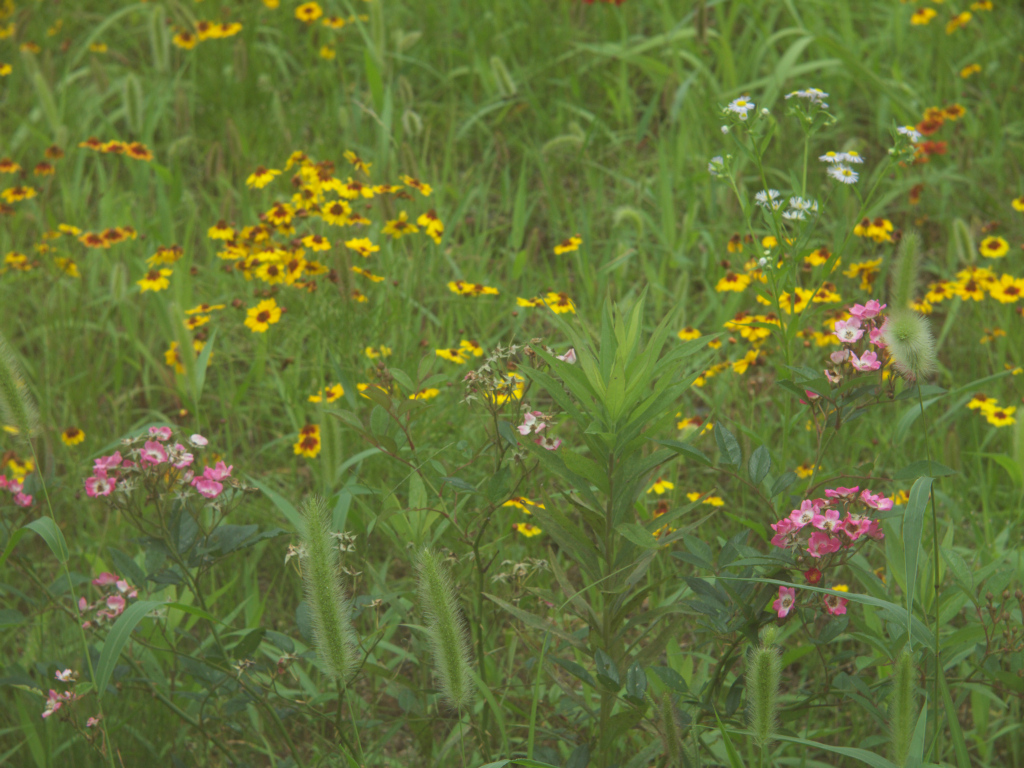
<point>829,530</point>
<point>57,700</point>
<point>864,318</point>
<point>15,488</point>
<point>157,453</point>
<point>786,601</point>
<point>533,422</point>
<point>116,591</point>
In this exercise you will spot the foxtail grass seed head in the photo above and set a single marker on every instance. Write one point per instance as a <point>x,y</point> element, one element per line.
<point>906,270</point>
<point>670,731</point>
<point>908,337</point>
<point>17,408</point>
<point>446,628</point>
<point>764,674</point>
<point>902,709</point>
<point>330,609</point>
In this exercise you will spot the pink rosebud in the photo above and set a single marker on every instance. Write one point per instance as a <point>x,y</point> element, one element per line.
<point>821,543</point>
<point>83,605</point>
<point>14,486</point>
<point>548,443</point>
<point>835,604</point>
<point>866,362</point>
<point>23,500</point>
<point>207,487</point>
<point>841,492</point>
<point>569,357</point>
<point>122,585</point>
<point>92,722</point>
<point>876,501</point>
<point>104,579</point>
<point>848,331</point>
<point>53,703</point>
<point>780,540</point>
<point>152,453</point>
<point>785,602</point>
<point>108,462</point>
<point>163,434</point>
<point>218,472</point>
<point>99,485</point>
<point>3,481</point>
<point>813,576</point>
<point>199,441</point>
<point>840,356</point>
<point>867,311</point>
<point>874,531</point>
<point>811,395</point>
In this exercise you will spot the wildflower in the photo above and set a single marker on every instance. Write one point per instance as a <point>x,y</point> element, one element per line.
<point>330,393</point>
<point>571,244</point>
<point>308,12</point>
<point>660,486</point>
<point>549,444</point>
<point>848,331</point>
<point>769,241</point>
<point>400,226</point>
<point>867,271</point>
<point>308,444</point>
<point>749,359</point>
<point>785,602</point>
<point>559,303</point>
<point>432,224</point>
<point>184,39</point>
<point>526,529</point>
<point>203,308</point>
<point>533,302</point>
<point>67,266</point>
<point>733,282</point>
<point>337,213</point>
<point>954,112</point>
<point>221,231</point>
<point>876,501</point>
<point>155,280</point>
<point>262,316</point>
<point>713,501</point>
<point>463,288</point>
<point>768,199</point>
<point>316,243</point>
<point>8,166</point>
<point>717,166</point>
<point>740,107</point>
<point>138,151</point>
<point>112,147</point>
<point>381,351</point>
<point>532,422</point>
<point>152,453</point>
<point>72,436</point>
<point>453,355</point>
<point>818,257</point>
<point>569,357</point>
<point>5,69</point>
<point>424,189</point>
<point>865,363</point>
<point>970,69</point>
<point>425,394</point>
<point>851,157</point>
<point>812,576</point>
<point>1018,203</point>
<point>805,470</point>
<point>958,22</point>
<point>1008,289</point>
<point>1001,417</point>
<point>17,194</point>
<point>843,173</point>
<point>910,132</point>
<point>198,441</point>
<point>830,157</point>
<point>820,544</point>
<point>327,52</point>
<point>196,321</point>
<point>688,333</point>
<point>271,272</point>
<point>835,604</point>
<point>357,162</point>
<point>472,347</point>
<point>993,247</point>
<point>259,178</point>
<point>981,5</point>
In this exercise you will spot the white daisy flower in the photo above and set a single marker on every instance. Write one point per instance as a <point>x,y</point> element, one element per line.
<point>851,157</point>
<point>803,205</point>
<point>831,157</point>
<point>725,129</point>
<point>768,198</point>
<point>910,132</point>
<point>740,106</point>
<point>717,166</point>
<point>794,214</point>
<point>813,95</point>
<point>843,173</point>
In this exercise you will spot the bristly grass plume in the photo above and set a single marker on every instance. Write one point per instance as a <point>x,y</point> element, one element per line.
<point>908,337</point>
<point>330,609</point>
<point>905,271</point>
<point>764,674</point>
<point>902,709</point>
<point>17,407</point>
<point>447,629</point>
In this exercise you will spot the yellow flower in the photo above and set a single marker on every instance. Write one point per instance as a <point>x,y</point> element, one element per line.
<point>425,189</point>
<point>769,241</point>
<point>1008,289</point>
<point>98,47</point>
<point>867,271</point>
<point>571,244</point>
<point>526,529</point>
<point>172,357</point>
<point>337,213</point>
<point>922,16</point>
<point>309,12</point>
<point>5,69</point>
<point>425,394</point>
<point>8,166</point>
<point>1001,417</point>
<point>327,52</point>
<point>749,359</point>
<point>381,351</point>
<point>981,5</point>
<point>958,22</point>
<point>335,22</point>
<point>332,393</point>
<point>521,502</point>
<point>660,486</point>
<point>400,226</point>
<point>67,266</point>
<point>17,194</point>
<point>272,4</point>
<point>454,354</point>
<point>203,308</point>
<point>262,316</point>
<point>471,347</point>
<point>366,273</point>
<point>733,282</point>
<point>221,231</point>
<point>534,302</point>
<point>463,288</point>
<point>259,178</point>
<point>970,69</point>
<point>184,39</point>
<point>841,588</point>
<point>1018,203</point>
<point>714,501</point>
<point>982,402</point>
<point>805,470</point>
<point>72,436</point>
<point>688,333</point>
<point>362,245</point>
<point>993,247</point>
<point>900,497</point>
<point>316,243</point>
<point>432,224</point>
<point>308,444</point>
<point>155,280</point>
<point>559,303</point>
<point>694,422</point>
<point>21,467</point>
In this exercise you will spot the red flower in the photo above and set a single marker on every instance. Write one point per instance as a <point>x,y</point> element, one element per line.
<point>813,576</point>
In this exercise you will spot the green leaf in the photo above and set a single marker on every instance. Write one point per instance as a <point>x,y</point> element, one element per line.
<point>963,759</point>
<point>574,669</point>
<point>118,637</point>
<point>731,453</point>
<point>636,682</point>
<point>759,464</point>
<point>735,761</point>
<point>532,620</point>
<point>51,534</point>
<point>961,572</point>
<point>923,469</point>
<point>199,373</point>
<point>638,535</point>
<point>685,450</point>
<point>913,528</point>
<point>507,433</point>
<point>671,679</point>
<point>402,378</point>
<point>782,484</point>
<point>245,647</point>
<point>607,672</point>
<point>868,758</point>
<point>1013,469</point>
<point>11,544</point>
<point>127,567</point>
<point>462,485</point>
<point>284,506</point>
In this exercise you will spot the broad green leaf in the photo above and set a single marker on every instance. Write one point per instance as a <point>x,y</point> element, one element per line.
<point>923,469</point>
<point>574,669</point>
<point>913,528</point>
<point>685,450</point>
<point>284,506</point>
<point>759,464</point>
<point>868,758</point>
<point>51,534</point>
<point>638,535</point>
<point>536,622</point>
<point>963,759</point>
<point>118,637</point>
<point>731,453</point>
<point>782,484</point>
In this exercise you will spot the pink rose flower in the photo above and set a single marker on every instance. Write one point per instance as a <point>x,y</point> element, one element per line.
<point>23,500</point>
<point>549,444</point>
<point>163,434</point>
<point>803,516</point>
<point>531,423</point>
<point>866,362</point>
<point>104,579</point>
<point>207,487</point>
<point>183,459</point>
<point>821,544</point>
<point>99,484</point>
<point>218,472</point>
<point>841,492</point>
<point>876,501</point>
<point>828,521</point>
<point>848,331</point>
<point>152,453</point>
<point>785,602</point>
<point>108,462</point>
<point>867,311</point>
<point>835,604</point>
<point>199,441</point>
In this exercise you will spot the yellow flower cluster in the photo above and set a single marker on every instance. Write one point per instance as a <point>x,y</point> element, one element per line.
<point>995,414</point>
<point>204,30</point>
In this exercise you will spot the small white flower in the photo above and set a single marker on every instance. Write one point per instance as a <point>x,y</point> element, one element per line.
<point>717,166</point>
<point>725,129</point>
<point>66,676</point>
<point>843,173</point>
<point>794,215</point>
<point>764,111</point>
<point>851,157</point>
<point>831,157</point>
<point>741,107</point>
<point>768,198</point>
<point>813,95</point>
<point>763,262</point>
<point>910,132</point>
<point>802,205</point>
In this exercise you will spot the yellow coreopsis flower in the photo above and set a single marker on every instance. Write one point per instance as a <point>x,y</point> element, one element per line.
<point>155,280</point>
<point>262,316</point>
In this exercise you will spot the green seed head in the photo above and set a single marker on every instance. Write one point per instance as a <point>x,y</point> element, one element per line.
<point>764,674</point>
<point>902,709</point>
<point>908,337</point>
<point>17,408</point>
<point>905,271</point>
<point>670,730</point>
<point>447,630</point>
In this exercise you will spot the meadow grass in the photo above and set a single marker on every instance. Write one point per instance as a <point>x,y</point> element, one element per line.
<point>610,626</point>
